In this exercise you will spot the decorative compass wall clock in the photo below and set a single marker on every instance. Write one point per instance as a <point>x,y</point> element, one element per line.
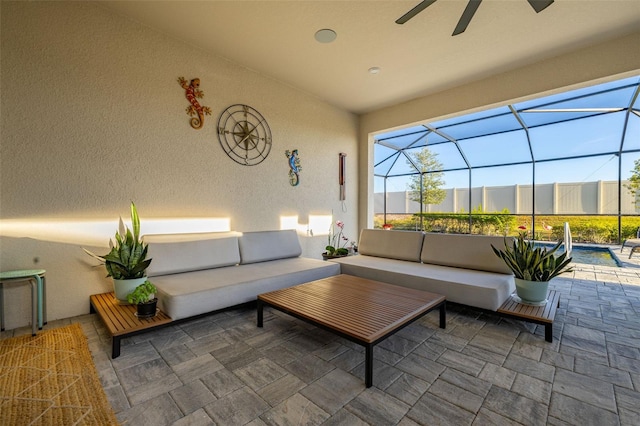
<point>244,135</point>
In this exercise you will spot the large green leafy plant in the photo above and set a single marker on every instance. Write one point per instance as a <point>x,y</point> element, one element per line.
<point>532,263</point>
<point>128,256</point>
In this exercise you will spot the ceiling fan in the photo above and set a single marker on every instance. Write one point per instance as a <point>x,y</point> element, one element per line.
<point>469,11</point>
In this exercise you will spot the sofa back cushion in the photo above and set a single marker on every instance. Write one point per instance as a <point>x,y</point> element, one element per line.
<point>262,246</point>
<point>402,245</point>
<point>173,254</point>
<point>464,251</point>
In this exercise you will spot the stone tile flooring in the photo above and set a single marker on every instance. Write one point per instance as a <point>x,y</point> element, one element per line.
<point>482,370</point>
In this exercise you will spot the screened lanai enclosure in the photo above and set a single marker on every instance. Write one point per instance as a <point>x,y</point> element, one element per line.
<point>526,167</point>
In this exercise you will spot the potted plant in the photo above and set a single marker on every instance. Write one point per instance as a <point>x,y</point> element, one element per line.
<point>533,267</point>
<point>144,297</point>
<point>337,243</point>
<point>127,260</point>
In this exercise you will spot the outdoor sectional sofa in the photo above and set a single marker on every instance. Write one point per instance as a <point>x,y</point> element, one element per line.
<point>461,267</point>
<point>200,273</point>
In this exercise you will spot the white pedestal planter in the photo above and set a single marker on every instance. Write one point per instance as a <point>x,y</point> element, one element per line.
<point>532,292</point>
<point>122,288</point>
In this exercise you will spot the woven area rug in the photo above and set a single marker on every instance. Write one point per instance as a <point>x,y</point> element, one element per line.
<point>50,379</point>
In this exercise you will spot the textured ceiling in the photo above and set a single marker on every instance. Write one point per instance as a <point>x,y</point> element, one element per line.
<point>276,38</point>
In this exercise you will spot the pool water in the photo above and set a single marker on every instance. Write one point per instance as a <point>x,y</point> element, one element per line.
<point>593,256</point>
<point>589,255</point>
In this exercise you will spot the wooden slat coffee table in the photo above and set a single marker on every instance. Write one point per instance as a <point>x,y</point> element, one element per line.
<point>121,320</point>
<point>361,310</point>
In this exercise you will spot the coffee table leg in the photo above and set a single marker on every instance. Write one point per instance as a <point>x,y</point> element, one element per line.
<point>368,366</point>
<point>259,309</point>
<point>443,315</point>
<point>115,347</point>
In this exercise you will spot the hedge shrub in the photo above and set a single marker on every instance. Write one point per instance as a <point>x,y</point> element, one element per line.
<point>584,229</point>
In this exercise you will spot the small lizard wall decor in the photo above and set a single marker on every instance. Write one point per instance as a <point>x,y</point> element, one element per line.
<point>294,167</point>
<point>193,92</point>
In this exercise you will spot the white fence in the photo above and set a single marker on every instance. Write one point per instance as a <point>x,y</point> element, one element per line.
<point>599,197</point>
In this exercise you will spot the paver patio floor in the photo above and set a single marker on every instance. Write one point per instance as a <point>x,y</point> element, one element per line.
<point>482,369</point>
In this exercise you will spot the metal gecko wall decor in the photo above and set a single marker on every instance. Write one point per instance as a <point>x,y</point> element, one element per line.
<point>193,92</point>
<point>294,167</point>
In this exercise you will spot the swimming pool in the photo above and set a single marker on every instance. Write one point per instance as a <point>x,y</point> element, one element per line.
<point>590,255</point>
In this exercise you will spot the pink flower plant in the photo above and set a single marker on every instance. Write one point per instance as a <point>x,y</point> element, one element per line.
<point>337,242</point>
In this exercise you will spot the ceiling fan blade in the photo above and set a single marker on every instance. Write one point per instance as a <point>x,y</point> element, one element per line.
<point>468,13</point>
<point>413,12</point>
<point>540,5</point>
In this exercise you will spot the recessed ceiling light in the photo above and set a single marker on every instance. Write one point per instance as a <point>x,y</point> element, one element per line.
<point>325,35</point>
<point>374,70</point>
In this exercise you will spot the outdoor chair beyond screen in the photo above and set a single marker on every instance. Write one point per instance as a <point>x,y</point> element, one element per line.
<point>634,243</point>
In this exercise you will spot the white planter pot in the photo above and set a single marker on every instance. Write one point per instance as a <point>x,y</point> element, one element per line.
<point>122,288</point>
<point>532,291</point>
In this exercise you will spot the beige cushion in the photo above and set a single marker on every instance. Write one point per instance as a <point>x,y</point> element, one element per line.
<point>268,245</point>
<point>195,293</point>
<point>485,290</point>
<point>464,251</point>
<point>403,245</point>
<point>172,254</point>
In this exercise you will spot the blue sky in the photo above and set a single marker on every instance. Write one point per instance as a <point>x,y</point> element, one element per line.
<point>581,122</point>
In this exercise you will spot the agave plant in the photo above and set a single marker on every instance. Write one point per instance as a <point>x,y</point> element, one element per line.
<point>128,256</point>
<point>531,263</point>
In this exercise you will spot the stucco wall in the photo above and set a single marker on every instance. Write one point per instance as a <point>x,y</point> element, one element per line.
<point>93,117</point>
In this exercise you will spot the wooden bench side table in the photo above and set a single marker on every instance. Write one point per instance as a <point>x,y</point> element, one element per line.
<point>121,320</point>
<point>543,315</point>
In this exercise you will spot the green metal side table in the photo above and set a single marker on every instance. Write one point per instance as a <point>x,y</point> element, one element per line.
<point>36,277</point>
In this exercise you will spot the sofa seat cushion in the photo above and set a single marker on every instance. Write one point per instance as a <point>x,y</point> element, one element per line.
<point>486,290</point>
<point>193,293</point>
